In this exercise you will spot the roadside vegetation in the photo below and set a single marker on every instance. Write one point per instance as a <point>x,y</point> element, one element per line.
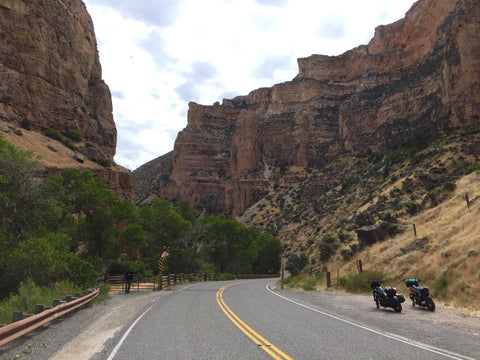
<point>63,233</point>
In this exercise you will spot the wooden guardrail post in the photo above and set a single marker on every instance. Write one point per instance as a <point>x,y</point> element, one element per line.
<point>329,282</point>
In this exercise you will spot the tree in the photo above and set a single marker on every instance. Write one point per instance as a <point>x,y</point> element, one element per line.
<point>269,252</point>
<point>295,264</point>
<point>230,246</point>
<point>163,226</point>
<point>26,202</point>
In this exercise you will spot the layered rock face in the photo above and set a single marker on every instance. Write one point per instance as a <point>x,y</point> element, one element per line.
<point>50,74</point>
<point>416,78</point>
<point>50,77</point>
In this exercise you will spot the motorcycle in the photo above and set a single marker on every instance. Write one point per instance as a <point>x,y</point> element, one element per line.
<point>387,297</point>
<point>420,295</point>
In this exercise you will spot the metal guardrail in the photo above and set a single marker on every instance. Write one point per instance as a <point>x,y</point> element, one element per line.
<point>19,328</point>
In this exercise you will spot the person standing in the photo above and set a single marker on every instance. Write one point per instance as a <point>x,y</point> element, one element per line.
<point>128,280</point>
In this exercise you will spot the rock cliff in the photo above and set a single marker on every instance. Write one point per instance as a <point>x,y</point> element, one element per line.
<point>51,78</point>
<point>417,77</point>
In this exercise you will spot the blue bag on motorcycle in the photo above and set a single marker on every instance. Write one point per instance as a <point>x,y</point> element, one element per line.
<point>411,282</point>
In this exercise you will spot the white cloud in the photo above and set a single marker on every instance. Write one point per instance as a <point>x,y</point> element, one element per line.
<point>157,55</point>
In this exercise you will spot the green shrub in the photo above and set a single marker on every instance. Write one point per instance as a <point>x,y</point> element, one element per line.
<point>104,293</point>
<point>440,286</point>
<point>54,134</point>
<point>296,264</point>
<point>26,124</point>
<point>472,168</point>
<point>346,253</point>
<point>75,135</point>
<point>226,276</point>
<point>327,247</point>
<point>30,295</point>
<point>108,163</point>
<point>411,206</point>
<point>68,143</point>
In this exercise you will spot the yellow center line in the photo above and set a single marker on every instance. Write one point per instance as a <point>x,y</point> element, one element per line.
<point>273,351</point>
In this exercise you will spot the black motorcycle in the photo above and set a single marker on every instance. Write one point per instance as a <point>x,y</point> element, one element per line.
<point>387,297</point>
<point>420,295</point>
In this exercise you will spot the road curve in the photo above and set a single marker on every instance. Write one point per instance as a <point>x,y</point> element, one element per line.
<point>248,320</point>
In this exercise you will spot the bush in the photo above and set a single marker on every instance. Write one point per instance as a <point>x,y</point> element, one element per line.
<point>440,286</point>
<point>30,295</point>
<point>26,124</point>
<point>346,254</point>
<point>296,264</point>
<point>54,134</point>
<point>472,168</point>
<point>226,276</point>
<point>327,247</point>
<point>364,219</point>
<point>412,207</point>
<point>75,135</point>
<point>68,143</point>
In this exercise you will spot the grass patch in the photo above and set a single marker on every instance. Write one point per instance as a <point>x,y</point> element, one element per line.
<point>305,282</point>
<point>30,295</point>
<point>360,283</point>
<point>440,287</point>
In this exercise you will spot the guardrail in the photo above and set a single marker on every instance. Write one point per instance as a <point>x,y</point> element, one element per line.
<point>19,328</point>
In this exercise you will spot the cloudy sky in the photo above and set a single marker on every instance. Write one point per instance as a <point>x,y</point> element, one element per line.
<point>158,55</point>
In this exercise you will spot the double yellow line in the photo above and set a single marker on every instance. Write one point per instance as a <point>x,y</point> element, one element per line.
<point>247,330</point>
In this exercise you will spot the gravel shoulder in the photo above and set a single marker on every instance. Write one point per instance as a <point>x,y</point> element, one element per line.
<point>83,333</point>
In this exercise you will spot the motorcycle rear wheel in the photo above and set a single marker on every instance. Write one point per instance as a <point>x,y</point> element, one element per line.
<point>377,302</point>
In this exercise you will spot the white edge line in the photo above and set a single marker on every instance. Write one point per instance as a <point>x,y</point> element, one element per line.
<point>122,340</point>
<point>425,347</point>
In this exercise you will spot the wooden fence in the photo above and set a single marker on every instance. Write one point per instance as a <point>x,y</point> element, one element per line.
<point>151,283</point>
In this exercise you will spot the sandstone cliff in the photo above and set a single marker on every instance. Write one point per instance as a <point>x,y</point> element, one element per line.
<point>50,77</point>
<point>417,77</point>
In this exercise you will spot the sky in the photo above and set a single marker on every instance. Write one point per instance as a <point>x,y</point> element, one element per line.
<point>158,55</point>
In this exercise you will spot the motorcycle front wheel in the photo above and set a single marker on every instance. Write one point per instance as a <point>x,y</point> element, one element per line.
<point>397,307</point>
<point>430,305</point>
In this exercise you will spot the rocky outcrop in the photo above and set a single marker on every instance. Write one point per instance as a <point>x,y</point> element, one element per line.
<point>149,176</point>
<point>417,77</point>
<point>51,78</point>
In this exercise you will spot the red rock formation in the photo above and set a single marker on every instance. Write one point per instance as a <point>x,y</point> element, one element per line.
<point>50,77</point>
<point>51,74</point>
<point>417,77</point>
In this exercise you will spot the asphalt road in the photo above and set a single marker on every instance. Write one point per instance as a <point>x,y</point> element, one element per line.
<point>248,320</point>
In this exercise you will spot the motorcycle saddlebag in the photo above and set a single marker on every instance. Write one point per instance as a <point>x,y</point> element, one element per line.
<point>400,298</point>
<point>411,282</point>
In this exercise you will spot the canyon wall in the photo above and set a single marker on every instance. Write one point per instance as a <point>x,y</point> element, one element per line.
<point>417,77</point>
<point>51,78</point>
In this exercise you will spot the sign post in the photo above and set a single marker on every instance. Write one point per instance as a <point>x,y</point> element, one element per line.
<point>160,267</point>
<point>284,260</point>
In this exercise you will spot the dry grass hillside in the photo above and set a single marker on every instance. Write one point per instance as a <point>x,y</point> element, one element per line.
<point>445,254</point>
<point>44,148</point>
<point>319,213</point>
